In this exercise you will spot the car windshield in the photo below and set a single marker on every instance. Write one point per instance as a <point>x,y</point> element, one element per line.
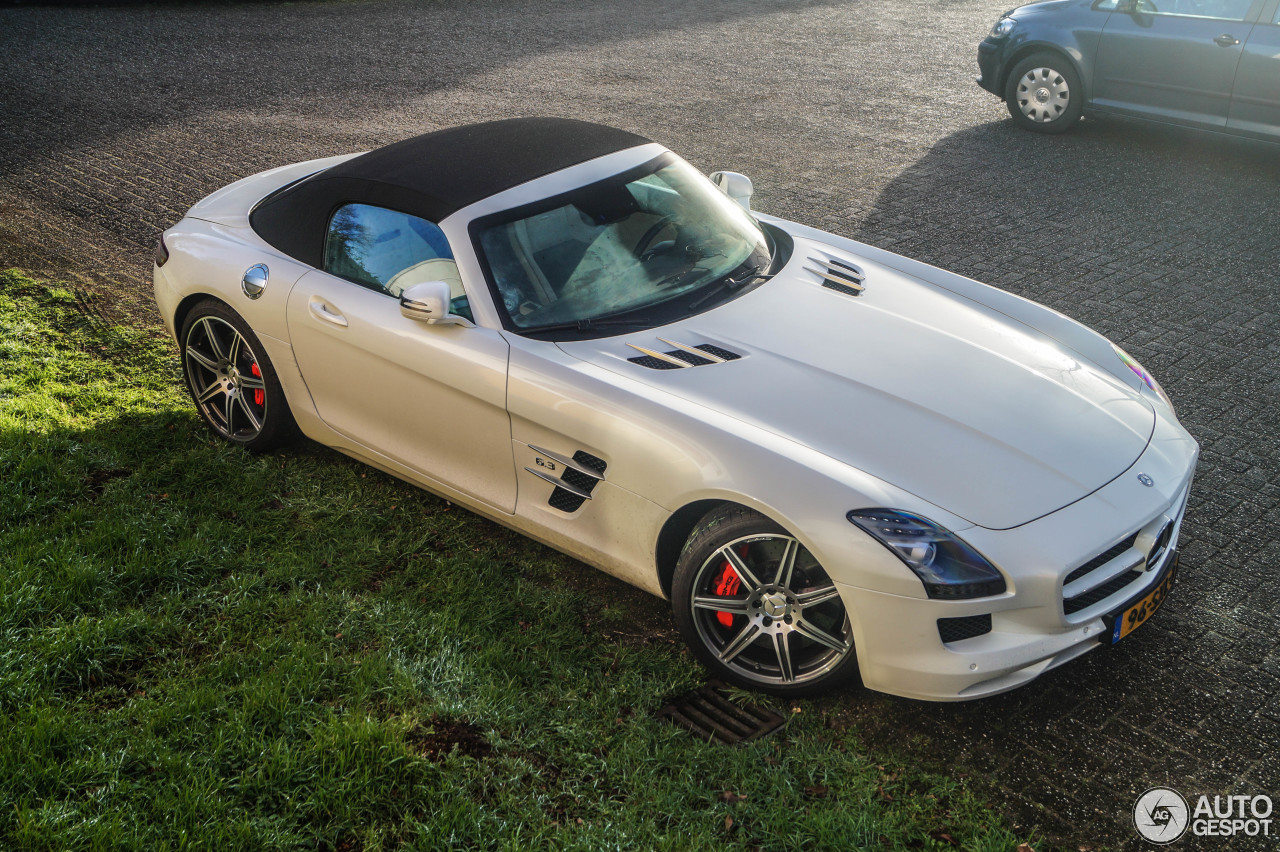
<point>620,249</point>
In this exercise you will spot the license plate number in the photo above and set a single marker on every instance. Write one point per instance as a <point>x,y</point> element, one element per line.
<point>1138,613</point>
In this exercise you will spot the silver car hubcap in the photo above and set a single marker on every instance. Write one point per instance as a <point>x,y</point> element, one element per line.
<point>1043,94</point>
<point>226,380</point>
<point>767,610</point>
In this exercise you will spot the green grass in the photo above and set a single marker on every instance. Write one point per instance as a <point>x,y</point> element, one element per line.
<point>201,648</point>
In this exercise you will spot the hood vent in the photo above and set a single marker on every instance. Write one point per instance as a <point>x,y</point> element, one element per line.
<point>682,356</point>
<point>838,275</point>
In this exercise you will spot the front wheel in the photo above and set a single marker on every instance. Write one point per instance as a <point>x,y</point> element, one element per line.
<point>231,379</point>
<point>758,609</point>
<point>1044,94</point>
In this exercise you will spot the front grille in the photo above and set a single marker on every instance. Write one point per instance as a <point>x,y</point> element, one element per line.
<point>1084,600</point>
<point>965,627</point>
<point>1100,560</point>
<point>1106,590</point>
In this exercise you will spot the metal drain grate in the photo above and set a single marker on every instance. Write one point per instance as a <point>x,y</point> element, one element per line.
<point>708,714</point>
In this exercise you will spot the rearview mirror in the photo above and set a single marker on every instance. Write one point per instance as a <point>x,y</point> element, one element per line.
<point>734,185</point>
<point>429,302</point>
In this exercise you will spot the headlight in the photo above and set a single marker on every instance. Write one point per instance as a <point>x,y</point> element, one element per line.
<point>947,566</point>
<point>1139,371</point>
<point>1003,28</point>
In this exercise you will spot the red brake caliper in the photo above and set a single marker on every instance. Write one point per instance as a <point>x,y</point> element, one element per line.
<point>727,585</point>
<point>259,395</point>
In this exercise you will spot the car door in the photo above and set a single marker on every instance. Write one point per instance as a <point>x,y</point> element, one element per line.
<point>431,397</point>
<point>1172,60</point>
<point>1255,101</point>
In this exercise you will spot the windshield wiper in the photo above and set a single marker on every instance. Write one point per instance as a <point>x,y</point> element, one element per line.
<point>755,273</point>
<point>585,325</point>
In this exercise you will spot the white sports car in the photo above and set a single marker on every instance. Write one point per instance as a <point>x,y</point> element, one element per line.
<point>830,458</point>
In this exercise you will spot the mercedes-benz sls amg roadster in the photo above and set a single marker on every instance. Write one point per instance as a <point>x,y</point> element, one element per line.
<point>834,461</point>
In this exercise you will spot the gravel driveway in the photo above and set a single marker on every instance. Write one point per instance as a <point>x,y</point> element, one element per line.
<point>858,117</point>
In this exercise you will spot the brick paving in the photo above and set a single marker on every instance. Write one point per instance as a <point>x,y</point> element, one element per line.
<point>861,118</point>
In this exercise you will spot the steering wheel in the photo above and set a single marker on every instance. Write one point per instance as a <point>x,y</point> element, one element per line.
<point>642,246</point>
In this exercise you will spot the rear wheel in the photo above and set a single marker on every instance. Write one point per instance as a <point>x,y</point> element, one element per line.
<point>231,379</point>
<point>758,609</point>
<point>1044,94</point>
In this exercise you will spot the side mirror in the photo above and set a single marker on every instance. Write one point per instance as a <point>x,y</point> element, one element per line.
<point>734,185</point>
<point>429,302</point>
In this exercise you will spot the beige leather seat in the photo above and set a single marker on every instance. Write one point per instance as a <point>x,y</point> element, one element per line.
<point>436,269</point>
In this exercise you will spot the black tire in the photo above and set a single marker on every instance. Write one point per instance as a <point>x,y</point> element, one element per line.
<point>751,617</point>
<point>1044,94</point>
<point>232,381</point>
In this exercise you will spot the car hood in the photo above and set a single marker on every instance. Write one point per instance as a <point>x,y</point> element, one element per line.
<point>934,393</point>
<point>1039,7</point>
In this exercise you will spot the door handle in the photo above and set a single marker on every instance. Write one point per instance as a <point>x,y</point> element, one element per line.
<point>321,310</point>
<point>1226,40</point>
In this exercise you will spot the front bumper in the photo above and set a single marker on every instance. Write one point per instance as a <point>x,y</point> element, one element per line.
<point>991,65</point>
<point>898,639</point>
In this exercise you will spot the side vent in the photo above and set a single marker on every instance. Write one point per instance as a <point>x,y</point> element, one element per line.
<point>839,276</point>
<point>682,356</point>
<point>578,477</point>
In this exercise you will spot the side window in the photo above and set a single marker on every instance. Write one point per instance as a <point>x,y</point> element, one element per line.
<point>1225,10</point>
<point>390,251</point>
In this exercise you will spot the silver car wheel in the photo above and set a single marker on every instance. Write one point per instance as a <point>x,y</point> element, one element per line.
<point>226,381</point>
<point>765,608</point>
<point>1043,94</point>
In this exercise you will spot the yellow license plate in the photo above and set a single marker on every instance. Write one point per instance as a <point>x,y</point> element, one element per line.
<point>1138,613</point>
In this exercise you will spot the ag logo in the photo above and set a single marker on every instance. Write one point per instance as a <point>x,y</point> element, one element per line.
<point>1160,815</point>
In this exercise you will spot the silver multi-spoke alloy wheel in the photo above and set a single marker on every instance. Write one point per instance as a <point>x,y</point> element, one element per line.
<point>1043,94</point>
<point>226,380</point>
<point>767,612</point>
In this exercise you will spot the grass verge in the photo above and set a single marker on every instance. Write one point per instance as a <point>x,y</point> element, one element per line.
<point>201,648</point>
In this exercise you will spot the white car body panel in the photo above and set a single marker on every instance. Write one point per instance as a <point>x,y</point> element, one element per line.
<point>989,415</point>
<point>938,414</point>
<point>433,399</point>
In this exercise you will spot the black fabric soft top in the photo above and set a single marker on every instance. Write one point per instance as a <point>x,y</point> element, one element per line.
<point>432,175</point>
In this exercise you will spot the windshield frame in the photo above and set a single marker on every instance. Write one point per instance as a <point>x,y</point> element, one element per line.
<point>635,319</point>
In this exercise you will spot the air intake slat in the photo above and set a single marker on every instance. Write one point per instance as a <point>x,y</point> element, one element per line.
<point>1100,560</point>
<point>573,463</point>
<point>684,355</point>
<point>560,483</point>
<point>1073,605</point>
<point>838,275</point>
<point>578,477</point>
<point>661,356</point>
